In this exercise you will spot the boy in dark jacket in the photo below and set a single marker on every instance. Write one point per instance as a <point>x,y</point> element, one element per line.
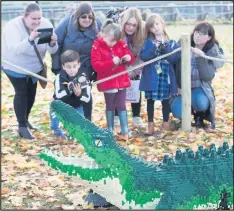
<point>70,87</point>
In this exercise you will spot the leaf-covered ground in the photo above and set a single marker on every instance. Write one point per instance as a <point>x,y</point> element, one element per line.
<point>27,183</point>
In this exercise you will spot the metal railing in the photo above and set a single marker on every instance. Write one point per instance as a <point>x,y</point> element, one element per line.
<point>170,11</point>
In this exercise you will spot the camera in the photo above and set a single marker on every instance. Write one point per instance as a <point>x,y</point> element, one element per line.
<point>82,80</point>
<point>161,47</point>
<point>72,85</point>
<point>45,35</point>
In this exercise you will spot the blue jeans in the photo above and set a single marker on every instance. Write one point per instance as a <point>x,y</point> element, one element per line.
<point>200,102</point>
<point>54,121</point>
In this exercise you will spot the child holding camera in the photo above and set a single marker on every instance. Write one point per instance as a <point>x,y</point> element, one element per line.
<point>70,87</point>
<point>109,56</point>
<point>158,78</point>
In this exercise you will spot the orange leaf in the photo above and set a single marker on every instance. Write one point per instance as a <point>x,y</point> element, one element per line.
<point>194,146</point>
<point>172,147</point>
<point>5,190</point>
<point>137,141</point>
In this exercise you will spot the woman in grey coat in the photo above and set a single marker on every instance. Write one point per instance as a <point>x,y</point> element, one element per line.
<point>18,49</point>
<point>77,32</point>
<point>203,42</point>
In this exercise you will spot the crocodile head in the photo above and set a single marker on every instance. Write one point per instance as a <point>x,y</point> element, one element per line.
<point>130,182</point>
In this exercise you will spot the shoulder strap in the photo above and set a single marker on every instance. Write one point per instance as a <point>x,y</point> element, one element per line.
<point>34,46</point>
<point>67,27</point>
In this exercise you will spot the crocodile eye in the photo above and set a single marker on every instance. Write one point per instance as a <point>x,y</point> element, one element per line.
<point>98,143</point>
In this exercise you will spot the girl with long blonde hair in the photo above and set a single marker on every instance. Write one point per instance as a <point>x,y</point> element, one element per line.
<point>158,78</point>
<point>132,32</point>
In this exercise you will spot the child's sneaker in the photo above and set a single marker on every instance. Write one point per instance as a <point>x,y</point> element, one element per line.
<point>116,121</point>
<point>137,122</point>
<point>59,133</point>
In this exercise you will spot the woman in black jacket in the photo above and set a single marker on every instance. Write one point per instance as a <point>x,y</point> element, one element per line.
<point>78,32</point>
<point>203,42</point>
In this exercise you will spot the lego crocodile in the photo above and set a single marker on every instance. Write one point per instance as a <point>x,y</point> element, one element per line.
<point>191,180</point>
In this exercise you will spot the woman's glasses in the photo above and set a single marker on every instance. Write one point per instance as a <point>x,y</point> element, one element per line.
<point>90,17</point>
<point>200,33</point>
<point>131,25</point>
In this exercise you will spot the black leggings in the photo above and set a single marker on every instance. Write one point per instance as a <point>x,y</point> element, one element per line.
<point>165,110</point>
<point>136,109</point>
<point>25,93</point>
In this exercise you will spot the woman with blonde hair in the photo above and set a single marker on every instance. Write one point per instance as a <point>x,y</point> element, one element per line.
<point>133,34</point>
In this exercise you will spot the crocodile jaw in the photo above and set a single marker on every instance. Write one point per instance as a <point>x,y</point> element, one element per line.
<point>110,189</point>
<point>83,161</point>
<point>107,187</point>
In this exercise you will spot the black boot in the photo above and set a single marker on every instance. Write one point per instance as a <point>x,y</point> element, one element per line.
<point>198,117</point>
<point>31,127</point>
<point>24,133</point>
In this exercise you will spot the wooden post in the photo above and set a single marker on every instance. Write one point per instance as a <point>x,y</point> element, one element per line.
<point>186,82</point>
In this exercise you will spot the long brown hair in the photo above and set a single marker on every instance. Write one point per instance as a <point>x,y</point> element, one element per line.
<point>150,22</point>
<point>132,12</point>
<point>84,8</point>
<point>206,28</point>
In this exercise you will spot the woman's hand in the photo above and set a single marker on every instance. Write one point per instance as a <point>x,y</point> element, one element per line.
<point>197,52</point>
<point>54,39</point>
<point>77,90</point>
<point>179,91</point>
<point>34,34</point>
<point>132,74</point>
